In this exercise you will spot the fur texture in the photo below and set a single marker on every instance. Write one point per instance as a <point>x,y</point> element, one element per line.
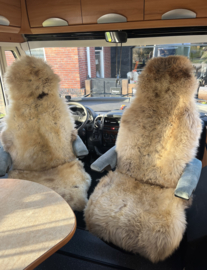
<point>134,207</point>
<point>160,131</point>
<point>137,217</point>
<point>39,129</point>
<point>69,180</point>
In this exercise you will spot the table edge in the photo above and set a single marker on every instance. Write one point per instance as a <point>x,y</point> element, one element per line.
<point>51,251</point>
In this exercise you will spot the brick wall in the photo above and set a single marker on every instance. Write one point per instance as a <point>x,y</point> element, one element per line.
<point>65,63</point>
<point>107,62</point>
<point>9,58</point>
<point>71,65</point>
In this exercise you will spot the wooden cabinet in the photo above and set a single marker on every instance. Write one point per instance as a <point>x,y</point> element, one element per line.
<point>11,9</point>
<point>154,9</point>
<point>27,16</point>
<point>93,9</point>
<point>41,10</point>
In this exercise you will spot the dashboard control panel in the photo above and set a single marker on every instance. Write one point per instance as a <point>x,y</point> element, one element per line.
<point>110,129</point>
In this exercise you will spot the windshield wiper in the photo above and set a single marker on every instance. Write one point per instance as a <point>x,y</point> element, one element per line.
<point>98,94</point>
<point>127,95</point>
<point>69,98</point>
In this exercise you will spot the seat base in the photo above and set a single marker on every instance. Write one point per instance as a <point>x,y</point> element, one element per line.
<point>137,217</point>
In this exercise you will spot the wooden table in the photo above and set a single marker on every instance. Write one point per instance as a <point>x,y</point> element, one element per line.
<point>34,223</point>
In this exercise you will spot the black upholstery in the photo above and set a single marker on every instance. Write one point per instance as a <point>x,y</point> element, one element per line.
<point>196,234</point>
<point>87,250</point>
<point>202,143</point>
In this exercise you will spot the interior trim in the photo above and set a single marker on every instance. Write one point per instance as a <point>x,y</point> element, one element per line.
<point>130,42</point>
<point>9,29</point>
<point>10,37</point>
<point>137,33</point>
<point>25,26</point>
<point>121,26</point>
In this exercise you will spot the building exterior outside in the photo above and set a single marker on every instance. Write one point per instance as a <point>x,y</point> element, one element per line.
<point>76,64</point>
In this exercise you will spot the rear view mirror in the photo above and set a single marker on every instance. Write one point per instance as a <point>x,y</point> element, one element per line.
<point>116,37</point>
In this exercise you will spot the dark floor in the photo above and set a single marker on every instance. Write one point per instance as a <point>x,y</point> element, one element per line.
<point>85,251</point>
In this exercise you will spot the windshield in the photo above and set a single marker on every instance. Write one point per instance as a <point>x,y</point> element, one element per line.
<point>95,71</point>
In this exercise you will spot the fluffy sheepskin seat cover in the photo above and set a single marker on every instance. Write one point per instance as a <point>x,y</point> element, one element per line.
<point>39,131</point>
<point>134,207</point>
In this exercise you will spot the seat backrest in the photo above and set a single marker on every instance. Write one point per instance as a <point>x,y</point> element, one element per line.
<point>159,133</point>
<point>79,149</point>
<point>38,130</point>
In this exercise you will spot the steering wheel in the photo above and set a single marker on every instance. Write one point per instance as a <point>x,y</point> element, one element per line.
<point>79,113</point>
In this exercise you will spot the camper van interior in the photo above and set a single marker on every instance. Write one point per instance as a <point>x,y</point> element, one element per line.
<point>103,144</point>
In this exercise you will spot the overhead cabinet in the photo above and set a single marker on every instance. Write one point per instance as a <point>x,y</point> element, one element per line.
<point>93,10</point>
<point>64,16</point>
<point>154,9</point>
<point>41,10</point>
<point>10,12</point>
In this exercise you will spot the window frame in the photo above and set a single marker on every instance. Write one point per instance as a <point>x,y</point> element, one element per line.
<point>3,66</point>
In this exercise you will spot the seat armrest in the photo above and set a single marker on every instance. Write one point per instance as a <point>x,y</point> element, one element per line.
<point>5,161</point>
<point>189,179</point>
<point>107,160</point>
<point>79,148</point>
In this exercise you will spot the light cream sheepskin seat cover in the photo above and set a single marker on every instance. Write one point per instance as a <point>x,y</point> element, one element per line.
<point>134,207</point>
<point>39,131</point>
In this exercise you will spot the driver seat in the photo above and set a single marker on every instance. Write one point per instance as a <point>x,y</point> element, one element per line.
<point>39,132</point>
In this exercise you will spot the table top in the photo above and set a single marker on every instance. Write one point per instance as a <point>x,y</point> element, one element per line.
<point>35,222</point>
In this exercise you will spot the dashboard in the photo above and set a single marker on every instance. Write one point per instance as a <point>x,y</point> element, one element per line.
<point>108,124</point>
<point>100,130</point>
<point>101,134</point>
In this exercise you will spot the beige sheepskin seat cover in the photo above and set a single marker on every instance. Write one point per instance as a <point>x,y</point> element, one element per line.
<point>134,207</point>
<point>39,131</point>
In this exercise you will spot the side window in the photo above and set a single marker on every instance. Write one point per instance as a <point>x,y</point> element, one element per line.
<point>10,57</point>
<point>7,56</point>
<point>40,53</point>
<point>140,56</point>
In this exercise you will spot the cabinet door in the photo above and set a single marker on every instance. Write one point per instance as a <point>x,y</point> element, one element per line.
<point>11,9</point>
<point>41,10</point>
<point>93,9</point>
<point>154,9</point>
